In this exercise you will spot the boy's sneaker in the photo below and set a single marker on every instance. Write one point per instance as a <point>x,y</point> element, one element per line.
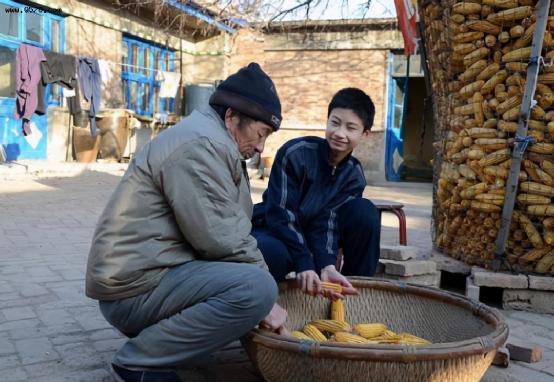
<point>125,375</point>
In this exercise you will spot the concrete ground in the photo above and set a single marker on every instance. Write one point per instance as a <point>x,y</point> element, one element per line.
<point>49,330</point>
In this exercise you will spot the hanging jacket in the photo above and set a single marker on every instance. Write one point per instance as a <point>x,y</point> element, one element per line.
<point>27,78</point>
<point>91,85</point>
<point>300,204</point>
<point>60,69</point>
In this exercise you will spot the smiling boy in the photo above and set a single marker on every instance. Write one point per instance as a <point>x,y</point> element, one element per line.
<point>313,205</point>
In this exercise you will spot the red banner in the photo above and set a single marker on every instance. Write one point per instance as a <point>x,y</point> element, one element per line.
<point>407,18</point>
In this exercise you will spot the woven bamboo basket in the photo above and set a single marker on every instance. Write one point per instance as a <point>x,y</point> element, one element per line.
<point>465,337</point>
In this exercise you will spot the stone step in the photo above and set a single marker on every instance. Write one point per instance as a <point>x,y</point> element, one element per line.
<point>409,268</point>
<point>398,252</point>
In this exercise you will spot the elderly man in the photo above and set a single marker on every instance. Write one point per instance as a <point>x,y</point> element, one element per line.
<point>172,261</point>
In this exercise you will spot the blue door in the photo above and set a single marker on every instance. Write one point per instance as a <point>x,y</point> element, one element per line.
<point>394,140</point>
<point>19,24</point>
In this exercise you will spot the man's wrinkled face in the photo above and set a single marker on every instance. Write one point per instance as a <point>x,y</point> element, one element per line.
<point>250,135</point>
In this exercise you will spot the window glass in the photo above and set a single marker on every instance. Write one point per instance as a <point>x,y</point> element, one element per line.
<point>134,94</point>
<point>9,22</point>
<point>134,58</point>
<point>7,72</point>
<point>146,61</point>
<point>33,27</point>
<point>145,98</point>
<point>124,55</point>
<point>55,35</point>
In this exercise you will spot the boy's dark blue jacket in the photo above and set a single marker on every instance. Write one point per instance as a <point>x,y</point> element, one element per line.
<point>304,193</point>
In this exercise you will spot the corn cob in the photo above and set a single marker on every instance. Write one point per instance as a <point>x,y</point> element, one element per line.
<point>533,255</point>
<point>537,188</point>
<point>475,56</point>
<point>536,125</point>
<point>468,90</point>
<point>472,72</point>
<point>334,287</point>
<point>512,114</point>
<point>488,73</point>
<point>338,312</point>
<point>492,143</point>
<point>548,223</point>
<point>546,78</point>
<point>508,104</point>
<point>479,132</point>
<point>526,38</point>
<point>497,200</point>
<point>531,169</point>
<point>532,199</point>
<point>466,172</point>
<point>350,338</point>
<point>331,326</point>
<point>542,148</point>
<point>301,336</point>
<point>475,154</point>
<point>548,237</point>
<point>490,123</point>
<point>314,333</point>
<point>470,192</point>
<point>463,48</point>
<point>517,31</point>
<point>457,18</point>
<point>499,77</point>
<point>516,66</point>
<point>545,263</point>
<point>507,4</point>
<point>485,207</point>
<point>504,37</point>
<point>545,178</point>
<point>515,79</point>
<point>468,36</point>
<point>547,167</point>
<point>464,110</point>
<point>513,14</point>
<point>495,157</point>
<point>465,8</point>
<point>532,233</point>
<point>413,340</point>
<point>484,26</point>
<point>537,112</point>
<point>369,331</point>
<point>496,171</point>
<point>541,210</point>
<point>517,55</point>
<point>509,127</point>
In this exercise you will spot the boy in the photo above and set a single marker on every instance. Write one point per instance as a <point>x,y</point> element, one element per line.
<point>313,204</point>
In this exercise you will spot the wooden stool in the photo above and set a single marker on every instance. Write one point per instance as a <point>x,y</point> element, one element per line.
<point>397,209</point>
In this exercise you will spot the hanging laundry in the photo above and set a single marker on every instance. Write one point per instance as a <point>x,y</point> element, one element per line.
<point>105,71</point>
<point>169,83</point>
<point>27,78</point>
<point>89,76</point>
<point>61,69</point>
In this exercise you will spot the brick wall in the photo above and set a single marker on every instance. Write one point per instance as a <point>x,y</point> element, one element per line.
<point>306,81</point>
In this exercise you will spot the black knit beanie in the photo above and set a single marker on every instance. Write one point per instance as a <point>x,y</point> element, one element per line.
<point>250,91</point>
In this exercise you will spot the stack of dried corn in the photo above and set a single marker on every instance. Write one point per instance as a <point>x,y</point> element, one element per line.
<point>489,48</point>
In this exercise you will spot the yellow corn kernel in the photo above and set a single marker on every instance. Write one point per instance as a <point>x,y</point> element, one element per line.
<point>369,331</point>
<point>314,333</point>
<point>301,336</point>
<point>338,312</point>
<point>331,326</point>
<point>332,286</point>
<point>350,338</point>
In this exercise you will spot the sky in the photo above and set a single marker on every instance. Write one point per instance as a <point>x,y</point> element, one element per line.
<point>338,9</point>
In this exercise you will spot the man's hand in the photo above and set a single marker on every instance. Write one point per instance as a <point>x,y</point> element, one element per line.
<point>275,320</point>
<point>330,274</point>
<point>309,282</point>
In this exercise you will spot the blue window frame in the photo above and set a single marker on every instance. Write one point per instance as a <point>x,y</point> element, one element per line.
<point>141,61</point>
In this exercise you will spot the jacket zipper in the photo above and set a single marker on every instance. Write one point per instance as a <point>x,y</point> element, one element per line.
<point>333,170</point>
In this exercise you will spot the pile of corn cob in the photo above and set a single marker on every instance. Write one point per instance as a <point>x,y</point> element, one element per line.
<point>481,76</point>
<point>337,329</point>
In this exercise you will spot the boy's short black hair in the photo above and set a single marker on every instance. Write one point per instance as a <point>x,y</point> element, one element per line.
<point>357,101</point>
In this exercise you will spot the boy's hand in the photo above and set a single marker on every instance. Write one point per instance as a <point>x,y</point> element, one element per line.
<point>309,282</point>
<point>330,274</point>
